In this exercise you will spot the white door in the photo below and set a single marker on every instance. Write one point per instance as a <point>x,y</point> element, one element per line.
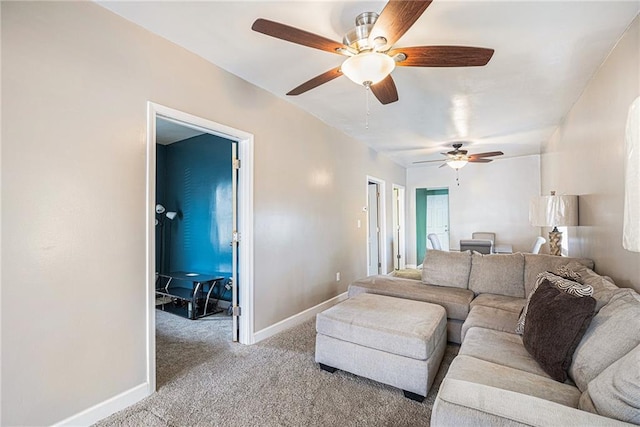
<point>398,228</point>
<point>438,218</point>
<point>373,265</point>
<point>234,240</point>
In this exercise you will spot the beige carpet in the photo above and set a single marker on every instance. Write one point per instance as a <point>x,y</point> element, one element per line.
<point>206,380</point>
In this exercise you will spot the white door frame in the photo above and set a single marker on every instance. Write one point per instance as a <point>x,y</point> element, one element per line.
<point>245,221</point>
<point>382,222</point>
<point>399,231</point>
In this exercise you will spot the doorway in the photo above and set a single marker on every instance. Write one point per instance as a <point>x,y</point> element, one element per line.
<point>432,216</point>
<point>241,233</point>
<point>376,253</point>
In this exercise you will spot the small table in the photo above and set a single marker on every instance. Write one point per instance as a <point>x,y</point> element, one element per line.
<point>192,296</point>
<point>503,249</point>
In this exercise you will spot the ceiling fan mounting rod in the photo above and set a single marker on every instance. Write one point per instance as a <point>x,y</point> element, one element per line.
<point>358,37</point>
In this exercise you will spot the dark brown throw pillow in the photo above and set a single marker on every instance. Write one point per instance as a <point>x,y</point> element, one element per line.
<point>556,322</point>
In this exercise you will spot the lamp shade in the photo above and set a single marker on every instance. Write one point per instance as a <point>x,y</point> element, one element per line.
<point>554,211</point>
<point>368,67</point>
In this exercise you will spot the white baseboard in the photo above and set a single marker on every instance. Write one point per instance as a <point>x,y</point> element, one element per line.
<point>297,319</point>
<point>110,406</point>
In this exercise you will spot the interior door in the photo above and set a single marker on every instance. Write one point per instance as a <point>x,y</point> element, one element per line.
<point>438,218</point>
<point>235,240</point>
<point>398,228</point>
<point>373,229</point>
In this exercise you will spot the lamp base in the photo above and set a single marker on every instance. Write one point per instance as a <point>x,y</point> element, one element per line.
<point>555,243</point>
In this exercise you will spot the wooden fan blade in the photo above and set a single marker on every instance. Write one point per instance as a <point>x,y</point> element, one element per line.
<point>316,81</point>
<point>443,56</point>
<point>396,18</point>
<point>385,91</point>
<point>488,154</point>
<point>472,160</point>
<point>295,35</point>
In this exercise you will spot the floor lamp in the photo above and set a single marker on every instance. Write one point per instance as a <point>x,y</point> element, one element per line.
<point>554,211</point>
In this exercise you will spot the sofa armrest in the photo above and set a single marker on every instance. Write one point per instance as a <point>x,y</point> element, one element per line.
<point>462,403</point>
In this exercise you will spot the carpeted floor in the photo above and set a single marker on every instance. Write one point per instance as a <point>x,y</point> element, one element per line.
<point>204,379</point>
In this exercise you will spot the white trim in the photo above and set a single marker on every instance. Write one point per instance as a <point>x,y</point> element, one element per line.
<point>297,319</point>
<point>382,222</point>
<point>110,406</point>
<point>245,219</point>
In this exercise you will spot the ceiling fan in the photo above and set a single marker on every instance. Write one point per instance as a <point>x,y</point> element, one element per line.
<point>457,158</point>
<point>369,49</point>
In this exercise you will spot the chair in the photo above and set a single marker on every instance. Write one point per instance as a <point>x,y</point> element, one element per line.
<point>538,244</point>
<point>478,245</point>
<point>482,235</point>
<point>435,242</point>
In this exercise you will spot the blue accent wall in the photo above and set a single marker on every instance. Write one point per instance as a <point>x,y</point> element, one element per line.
<point>194,179</point>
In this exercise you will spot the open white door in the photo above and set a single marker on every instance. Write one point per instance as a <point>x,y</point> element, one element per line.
<point>438,218</point>
<point>235,240</point>
<point>373,265</point>
<point>398,228</point>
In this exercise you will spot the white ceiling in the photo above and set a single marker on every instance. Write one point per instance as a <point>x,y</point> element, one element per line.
<point>545,54</point>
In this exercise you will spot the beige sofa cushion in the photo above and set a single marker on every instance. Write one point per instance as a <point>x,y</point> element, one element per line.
<point>613,332</point>
<point>499,347</point>
<point>496,375</point>
<point>442,268</point>
<point>454,300</point>
<point>497,274</point>
<point>615,392</point>
<point>501,302</point>
<point>603,287</point>
<point>489,318</point>
<point>535,264</point>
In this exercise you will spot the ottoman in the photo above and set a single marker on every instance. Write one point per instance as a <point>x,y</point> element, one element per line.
<point>394,341</point>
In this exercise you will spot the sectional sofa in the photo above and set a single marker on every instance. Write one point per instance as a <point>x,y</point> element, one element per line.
<point>495,378</point>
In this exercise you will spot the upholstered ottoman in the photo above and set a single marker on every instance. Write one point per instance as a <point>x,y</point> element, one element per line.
<point>395,341</point>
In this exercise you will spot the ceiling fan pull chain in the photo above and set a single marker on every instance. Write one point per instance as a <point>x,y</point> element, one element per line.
<point>367,88</point>
<point>457,177</point>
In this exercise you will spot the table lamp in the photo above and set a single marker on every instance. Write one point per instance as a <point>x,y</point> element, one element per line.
<point>554,211</point>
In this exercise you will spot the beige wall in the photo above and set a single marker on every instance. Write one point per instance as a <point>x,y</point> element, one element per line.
<point>76,79</point>
<point>585,156</point>
<point>491,197</point>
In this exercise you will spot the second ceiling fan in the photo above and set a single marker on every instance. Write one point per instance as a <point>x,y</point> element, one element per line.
<point>369,49</point>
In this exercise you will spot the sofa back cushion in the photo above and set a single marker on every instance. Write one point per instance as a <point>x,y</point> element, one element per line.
<point>443,268</point>
<point>497,274</point>
<point>615,393</point>
<point>613,332</point>
<point>603,287</point>
<point>535,264</point>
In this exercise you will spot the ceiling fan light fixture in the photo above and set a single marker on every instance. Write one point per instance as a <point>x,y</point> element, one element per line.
<point>368,68</point>
<point>457,163</point>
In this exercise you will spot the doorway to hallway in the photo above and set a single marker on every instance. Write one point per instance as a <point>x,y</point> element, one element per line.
<point>432,216</point>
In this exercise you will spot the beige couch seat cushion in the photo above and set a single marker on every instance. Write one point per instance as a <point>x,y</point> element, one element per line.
<point>501,302</point>
<point>480,371</point>
<point>502,348</point>
<point>399,326</point>
<point>613,332</point>
<point>490,318</point>
<point>443,268</point>
<point>497,274</point>
<point>535,264</point>
<point>464,403</point>
<point>455,300</point>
